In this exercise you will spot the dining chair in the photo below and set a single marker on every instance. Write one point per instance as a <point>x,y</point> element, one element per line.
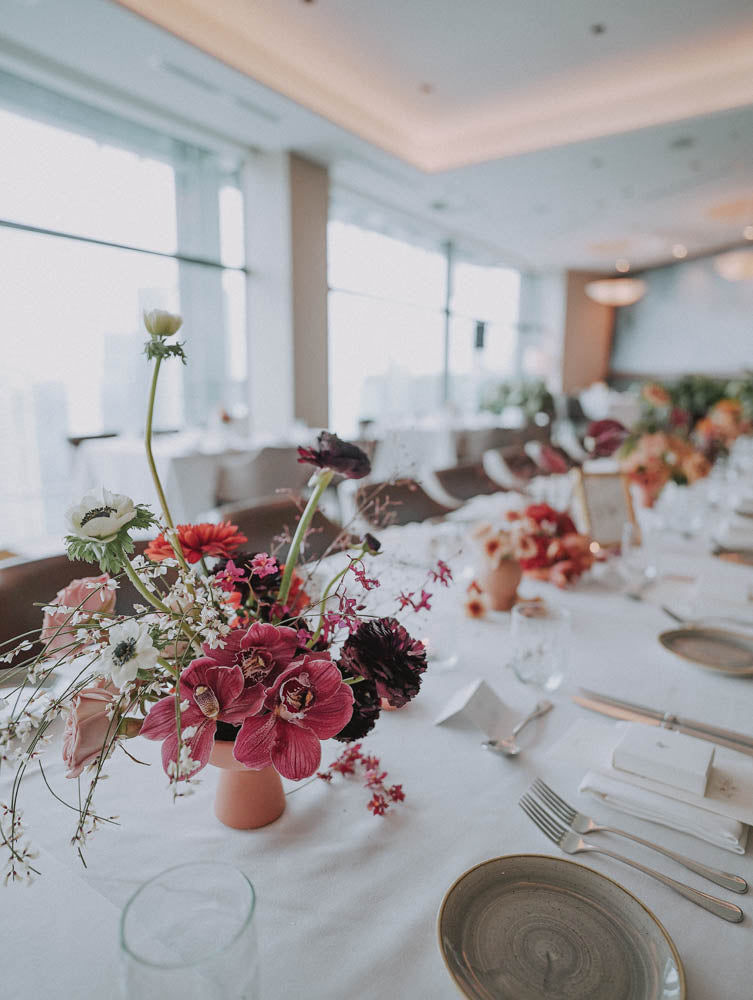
<point>468,480</point>
<point>269,526</point>
<point>511,467</point>
<point>258,475</point>
<point>26,581</point>
<point>397,502</point>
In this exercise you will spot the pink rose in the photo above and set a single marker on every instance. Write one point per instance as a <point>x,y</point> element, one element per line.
<point>86,595</point>
<point>87,728</point>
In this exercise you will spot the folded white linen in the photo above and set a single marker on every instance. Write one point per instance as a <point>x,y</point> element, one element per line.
<point>735,532</point>
<point>643,804</point>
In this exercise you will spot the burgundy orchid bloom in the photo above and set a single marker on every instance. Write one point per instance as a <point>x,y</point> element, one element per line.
<point>214,694</point>
<point>262,652</point>
<point>308,703</point>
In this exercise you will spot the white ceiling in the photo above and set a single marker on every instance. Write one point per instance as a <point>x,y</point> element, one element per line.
<point>540,143</point>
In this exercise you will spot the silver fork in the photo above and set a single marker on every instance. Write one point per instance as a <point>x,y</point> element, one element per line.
<point>572,843</point>
<point>585,824</point>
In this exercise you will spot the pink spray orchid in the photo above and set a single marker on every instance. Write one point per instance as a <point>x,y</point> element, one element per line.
<point>307,703</point>
<point>214,694</point>
<point>262,652</point>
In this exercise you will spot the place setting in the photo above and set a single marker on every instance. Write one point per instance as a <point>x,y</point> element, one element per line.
<point>376,509</point>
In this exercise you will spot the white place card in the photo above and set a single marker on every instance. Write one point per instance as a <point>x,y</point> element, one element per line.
<point>478,703</point>
<point>664,755</point>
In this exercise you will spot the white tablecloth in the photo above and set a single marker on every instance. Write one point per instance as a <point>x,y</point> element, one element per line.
<point>347,902</point>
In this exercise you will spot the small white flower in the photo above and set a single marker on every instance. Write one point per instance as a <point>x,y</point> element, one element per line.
<point>100,517</point>
<point>131,649</point>
<point>162,324</point>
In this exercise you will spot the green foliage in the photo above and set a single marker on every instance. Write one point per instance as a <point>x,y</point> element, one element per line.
<point>530,395</point>
<point>696,394</point>
<point>155,347</point>
<point>742,389</point>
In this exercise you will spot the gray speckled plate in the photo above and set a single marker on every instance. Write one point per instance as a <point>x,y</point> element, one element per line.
<point>718,649</point>
<point>535,927</point>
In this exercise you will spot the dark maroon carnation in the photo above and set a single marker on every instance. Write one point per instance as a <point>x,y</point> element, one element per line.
<point>382,651</point>
<point>366,708</point>
<point>347,459</point>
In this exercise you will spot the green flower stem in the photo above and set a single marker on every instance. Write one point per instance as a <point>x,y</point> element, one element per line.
<point>325,477</point>
<point>155,601</point>
<point>171,535</point>
<point>327,591</point>
<point>130,572</point>
<point>169,667</point>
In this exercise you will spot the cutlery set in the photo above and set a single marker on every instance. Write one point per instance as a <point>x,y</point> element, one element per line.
<point>565,826</point>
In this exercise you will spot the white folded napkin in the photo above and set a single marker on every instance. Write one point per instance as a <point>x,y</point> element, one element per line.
<point>711,827</point>
<point>735,532</point>
<point>724,810</point>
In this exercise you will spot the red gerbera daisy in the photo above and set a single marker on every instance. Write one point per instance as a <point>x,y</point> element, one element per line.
<point>199,540</point>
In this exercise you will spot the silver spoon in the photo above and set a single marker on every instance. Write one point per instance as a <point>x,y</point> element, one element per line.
<point>507,745</point>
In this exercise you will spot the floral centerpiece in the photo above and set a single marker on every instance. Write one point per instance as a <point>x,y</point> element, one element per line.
<point>648,456</point>
<point>724,423</point>
<point>543,543</point>
<point>652,460</point>
<point>223,648</point>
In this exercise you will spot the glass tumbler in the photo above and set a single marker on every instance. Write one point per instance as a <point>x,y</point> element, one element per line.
<point>637,564</point>
<point>540,643</point>
<point>190,933</point>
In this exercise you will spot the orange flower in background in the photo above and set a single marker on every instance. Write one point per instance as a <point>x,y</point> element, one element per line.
<point>199,540</point>
<point>656,394</point>
<point>475,607</point>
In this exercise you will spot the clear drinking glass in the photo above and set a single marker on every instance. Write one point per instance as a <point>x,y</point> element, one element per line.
<point>638,555</point>
<point>540,643</point>
<point>190,933</point>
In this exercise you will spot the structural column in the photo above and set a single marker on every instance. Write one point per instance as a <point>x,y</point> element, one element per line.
<point>286,199</point>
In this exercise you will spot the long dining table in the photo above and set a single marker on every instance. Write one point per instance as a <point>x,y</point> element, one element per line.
<point>347,902</point>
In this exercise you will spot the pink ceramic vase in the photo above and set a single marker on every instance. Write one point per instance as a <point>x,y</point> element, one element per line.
<point>245,799</point>
<point>500,585</point>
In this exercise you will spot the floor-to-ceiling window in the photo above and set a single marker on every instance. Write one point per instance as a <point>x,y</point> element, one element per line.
<point>100,219</point>
<point>400,347</point>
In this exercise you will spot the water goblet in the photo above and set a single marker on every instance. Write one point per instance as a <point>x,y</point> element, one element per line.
<point>190,932</point>
<point>540,643</point>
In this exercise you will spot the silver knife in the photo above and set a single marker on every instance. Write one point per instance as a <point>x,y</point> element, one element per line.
<point>617,709</point>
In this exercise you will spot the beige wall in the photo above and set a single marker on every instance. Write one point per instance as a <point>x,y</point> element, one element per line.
<point>587,337</point>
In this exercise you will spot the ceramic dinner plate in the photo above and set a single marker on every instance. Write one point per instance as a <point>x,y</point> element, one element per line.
<point>718,649</point>
<point>534,927</point>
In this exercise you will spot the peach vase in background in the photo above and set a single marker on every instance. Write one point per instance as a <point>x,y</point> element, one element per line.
<point>500,585</point>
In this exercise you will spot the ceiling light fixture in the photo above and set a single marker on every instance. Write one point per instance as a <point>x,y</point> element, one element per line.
<point>737,265</point>
<point>622,264</point>
<point>679,251</point>
<point>616,291</point>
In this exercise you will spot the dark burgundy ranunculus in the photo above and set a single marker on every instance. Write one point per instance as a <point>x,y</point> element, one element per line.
<point>384,652</point>
<point>342,456</point>
<point>366,708</point>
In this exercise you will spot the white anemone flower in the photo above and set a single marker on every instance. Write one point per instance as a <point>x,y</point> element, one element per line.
<point>162,324</point>
<point>131,649</point>
<point>100,517</point>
